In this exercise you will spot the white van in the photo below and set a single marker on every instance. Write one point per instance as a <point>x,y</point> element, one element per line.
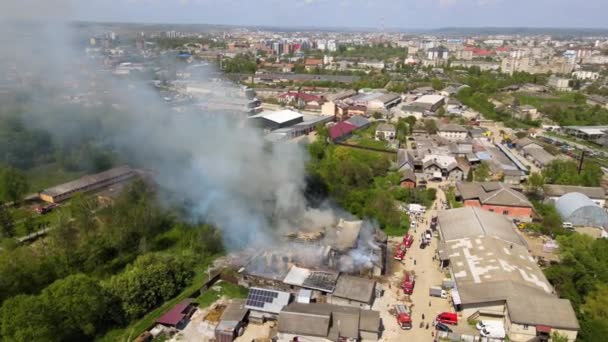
<point>567,225</point>
<point>488,323</point>
<point>493,332</point>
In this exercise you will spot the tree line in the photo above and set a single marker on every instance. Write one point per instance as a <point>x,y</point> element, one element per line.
<point>99,268</point>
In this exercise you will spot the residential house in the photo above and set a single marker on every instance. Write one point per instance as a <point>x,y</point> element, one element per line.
<point>559,83</point>
<point>329,108</point>
<point>313,63</point>
<point>302,100</point>
<point>495,197</point>
<point>386,132</point>
<point>526,112</point>
<point>443,168</point>
<point>408,179</point>
<point>452,132</point>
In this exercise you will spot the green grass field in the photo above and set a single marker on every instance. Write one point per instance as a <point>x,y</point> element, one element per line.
<point>540,101</point>
<point>222,288</point>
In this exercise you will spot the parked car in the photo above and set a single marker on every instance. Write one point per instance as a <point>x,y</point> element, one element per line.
<point>442,327</point>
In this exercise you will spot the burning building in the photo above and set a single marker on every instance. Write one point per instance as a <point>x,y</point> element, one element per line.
<point>315,258</point>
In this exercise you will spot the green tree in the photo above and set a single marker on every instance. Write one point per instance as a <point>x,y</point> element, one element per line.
<point>27,318</point>
<point>13,185</point>
<point>535,183</point>
<point>150,281</point>
<point>411,120</point>
<point>437,84</point>
<point>7,224</point>
<point>80,307</point>
<point>565,172</point>
<point>596,303</point>
<point>482,172</point>
<point>441,112</point>
<point>430,126</point>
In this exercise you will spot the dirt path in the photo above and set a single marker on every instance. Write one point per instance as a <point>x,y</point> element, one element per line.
<point>427,273</point>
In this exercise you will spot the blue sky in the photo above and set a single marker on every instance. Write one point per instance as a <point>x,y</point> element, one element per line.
<point>353,13</point>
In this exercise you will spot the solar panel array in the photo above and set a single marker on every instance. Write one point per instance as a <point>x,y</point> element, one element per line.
<point>258,298</point>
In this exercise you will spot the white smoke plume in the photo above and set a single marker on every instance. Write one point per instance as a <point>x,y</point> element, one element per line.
<point>209,159</point>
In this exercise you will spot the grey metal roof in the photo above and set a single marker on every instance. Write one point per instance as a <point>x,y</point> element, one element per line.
<point>539,154</point>
<point>555,190</point>
<point>578,209</point>
<point>355,288</point>
<point>359,121</point>
<point>305,319</point>
<point>571,202</point>
<point>541,310</point>
<point>88,180</point>
<point>370,321</point>
<point>232,316</point>
<point>494,193</point>
<point>471,222</point>
<point>327,320</point>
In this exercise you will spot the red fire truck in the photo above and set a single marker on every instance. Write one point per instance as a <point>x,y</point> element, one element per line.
<point>404,316</point>
<point>408,283</point>
<point>408,240</point>
<point>400,252</point>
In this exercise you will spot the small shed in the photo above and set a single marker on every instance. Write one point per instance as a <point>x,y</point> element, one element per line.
<point>233,321</point>
<point>178,316</point>
<point>580,210</point>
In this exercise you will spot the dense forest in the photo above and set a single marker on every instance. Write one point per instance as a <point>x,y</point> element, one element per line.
<point>581,277</point>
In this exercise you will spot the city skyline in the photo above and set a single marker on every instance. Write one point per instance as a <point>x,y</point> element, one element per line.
<point>410,14</point>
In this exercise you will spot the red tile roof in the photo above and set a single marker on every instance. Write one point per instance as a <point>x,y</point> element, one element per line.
<point>313,61</point>
<point>341,129</point>
<point>481,52</point>
<point>176,314</point>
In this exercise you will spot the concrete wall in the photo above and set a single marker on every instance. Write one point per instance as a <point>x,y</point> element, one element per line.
<point>367,336</point>
<point>347,302</point>
<point>519,212</point>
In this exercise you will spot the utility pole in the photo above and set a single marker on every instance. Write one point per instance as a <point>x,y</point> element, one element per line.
<point>580,164</point>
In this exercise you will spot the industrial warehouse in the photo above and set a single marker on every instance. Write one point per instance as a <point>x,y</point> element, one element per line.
<point>497,279</point>
<point>87,183</point>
